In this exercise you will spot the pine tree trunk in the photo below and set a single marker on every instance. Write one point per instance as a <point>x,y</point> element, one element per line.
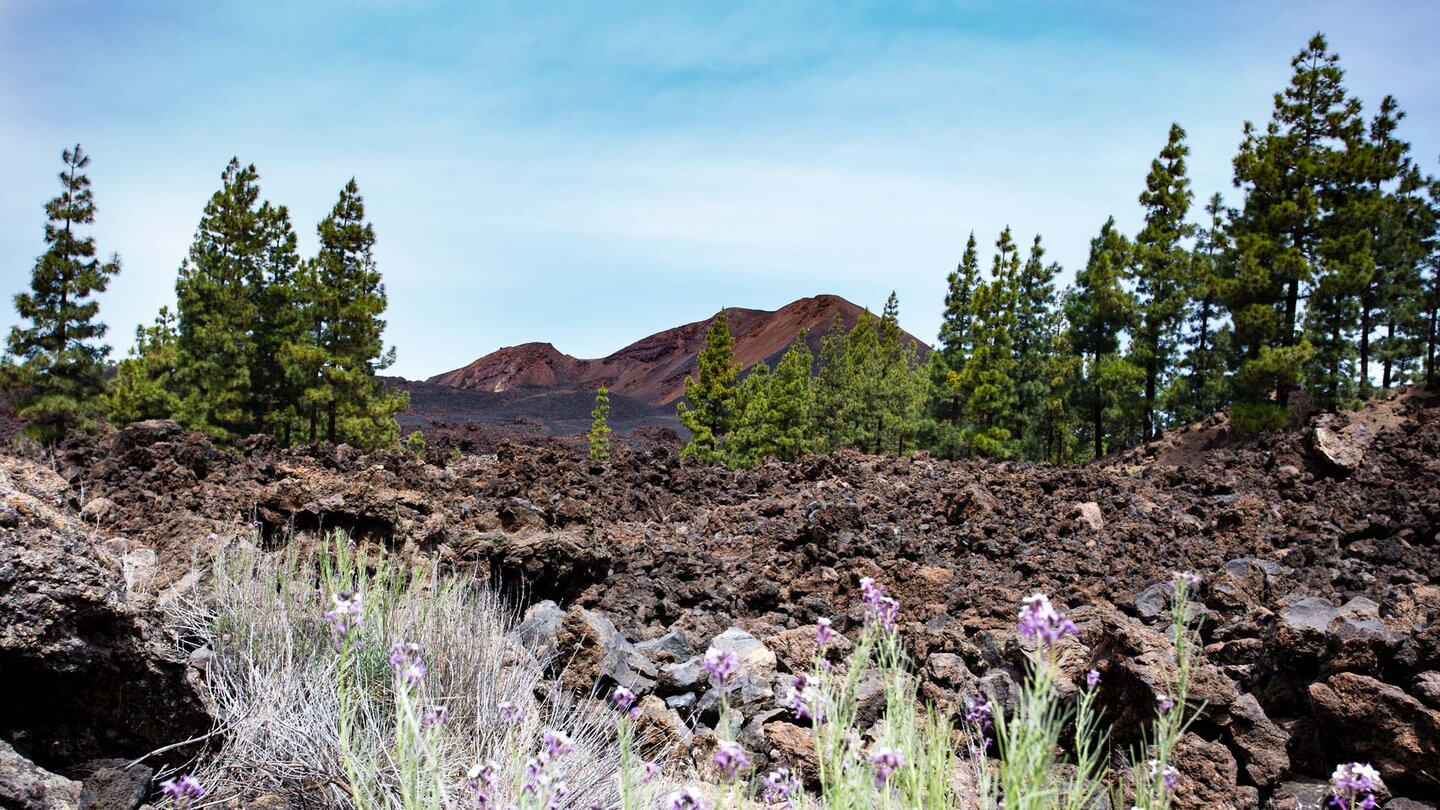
<point>330,422</point>
<point>1430,345</point>
<point>1365,353</point>
<point>1099,416</point>
<point>1149,428</point>
<point>1386,373</point>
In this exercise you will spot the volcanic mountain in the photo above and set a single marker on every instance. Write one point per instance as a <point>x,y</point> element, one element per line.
<point>653,369</point>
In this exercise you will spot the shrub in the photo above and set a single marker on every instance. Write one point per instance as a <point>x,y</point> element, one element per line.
<point>323,718</point>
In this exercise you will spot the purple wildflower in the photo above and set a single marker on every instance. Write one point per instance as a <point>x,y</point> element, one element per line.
<point>684,799</point>
<point>879,608</point>
<point>183,792</point>
<point>722,665</point>
<point>345,615</point>
<point>212,537</point>
<point>557,744</point>
<point>980,715</point>
<point>886,760</point>
<point>1040,621</point>
<point>405,658</point>
<point>824,633</point>
<point>510,713</point>
<point>624,701</point>
<point>731,759</point>
<point>1170,775</point>
<point>434,716</point>
<point>1164,703</point>
<point>869,590</point>
<point>1354,785</point>
<point>484,779</point>
<point>806,700</point>
<point>1189,579</point>
<point>1092,678</point>
<point>780,785</point>
<point>648,771</point>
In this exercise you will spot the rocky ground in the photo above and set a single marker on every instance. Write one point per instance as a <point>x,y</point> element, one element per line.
<point>1318,549</point>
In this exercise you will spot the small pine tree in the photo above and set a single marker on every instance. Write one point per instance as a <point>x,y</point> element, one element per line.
<point>144,385</point>
<point>832,388</point>
<point>600,426</point>
<point>791,401</point>
<point>417,445</point>
<point>57,381</point>
<point>1035,339</point>
<point>753,435</point>
<point>1201,388</point>
<point>708,410</point>
<point>278,323</point>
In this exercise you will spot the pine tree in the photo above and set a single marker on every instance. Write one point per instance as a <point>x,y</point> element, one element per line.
<point>708,410</point>
<point>946,406</point>
<point>1289,173</point>
<point>1098,312</point>
<point>1034,340</point>
<point>1430,306</point>
<point>955,341</point>
<point>57,381</point>
<point>863,415</point>
<point>343,288</point>
<point>216,312</point>
<point>600,426</point>
<point>791,400</point>
<point>987,380</point>
<point>144,385</point>
<point>753,435</point>
<point>278,322</point>
<point>832,388</point>
<point>1201,389</point>
<point>901,386</point>
<point>1161,271</point>
<point>1403,224</point>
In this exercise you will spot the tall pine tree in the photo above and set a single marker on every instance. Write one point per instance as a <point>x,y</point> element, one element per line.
<point>1034,340</point>
<point>1201,388</point>
<point>342,393</point>
<point>57,380</point>
<point>1289,173</point>
<point>1162,268</point>
<point>708,410</point>
<point>988,379</point>
<point>217,312</point>
<point>1099,310</point>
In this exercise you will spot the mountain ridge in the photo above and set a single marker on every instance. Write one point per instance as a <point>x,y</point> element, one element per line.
<point>653,369</point>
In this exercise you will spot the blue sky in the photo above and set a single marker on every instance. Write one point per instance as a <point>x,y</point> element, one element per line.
<point>589,173</point>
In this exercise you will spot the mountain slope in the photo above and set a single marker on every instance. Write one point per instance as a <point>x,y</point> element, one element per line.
<point>654,369</point>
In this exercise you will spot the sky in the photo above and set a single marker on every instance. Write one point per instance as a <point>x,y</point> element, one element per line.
<point>588,173</point>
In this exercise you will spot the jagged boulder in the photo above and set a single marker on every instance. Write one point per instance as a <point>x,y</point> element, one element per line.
<point>595,655</point>
<point>1378,722</point>
<point>27,786</point>
<point>84,669</point>
<point>1340,447</point>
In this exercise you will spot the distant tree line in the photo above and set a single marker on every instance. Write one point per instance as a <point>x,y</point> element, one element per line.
<point>260,341</point>
<point>1323,284</point>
